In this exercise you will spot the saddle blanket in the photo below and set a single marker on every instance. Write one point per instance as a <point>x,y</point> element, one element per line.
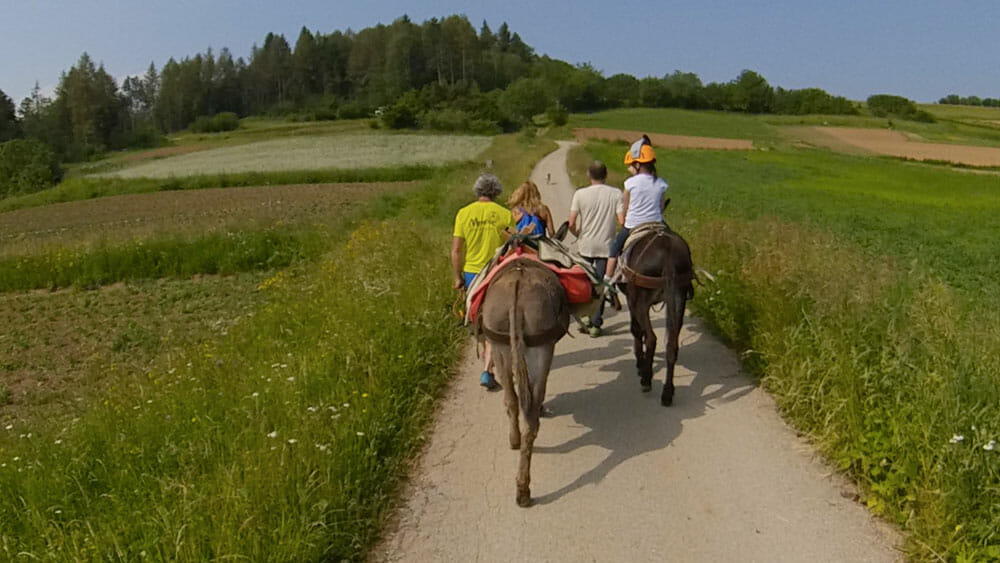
<point>574,280</point>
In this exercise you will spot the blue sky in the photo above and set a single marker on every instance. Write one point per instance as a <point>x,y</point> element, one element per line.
<point>920,49</point>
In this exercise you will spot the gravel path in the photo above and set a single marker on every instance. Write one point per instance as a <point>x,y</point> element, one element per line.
<point>616,477</point>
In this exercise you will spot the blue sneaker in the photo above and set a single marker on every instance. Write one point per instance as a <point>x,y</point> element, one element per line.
<point>487,380</point>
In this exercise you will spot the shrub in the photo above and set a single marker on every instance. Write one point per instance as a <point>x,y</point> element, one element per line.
<point>557,115</point>
<point>353,110</point>
<point>27,166</point>
<point>225,121</point>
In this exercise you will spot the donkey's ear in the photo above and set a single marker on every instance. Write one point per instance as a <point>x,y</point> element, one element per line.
<point>562,230</point>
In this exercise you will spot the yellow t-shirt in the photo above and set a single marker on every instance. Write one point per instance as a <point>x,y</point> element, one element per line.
<point>480,224</point>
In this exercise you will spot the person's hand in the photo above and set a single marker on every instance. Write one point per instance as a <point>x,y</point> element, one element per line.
<point>459,283</point>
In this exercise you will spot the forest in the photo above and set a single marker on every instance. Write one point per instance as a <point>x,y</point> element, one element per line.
<point>440,74</point>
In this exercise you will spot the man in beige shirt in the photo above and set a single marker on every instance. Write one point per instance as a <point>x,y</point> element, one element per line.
<point>594,215</point>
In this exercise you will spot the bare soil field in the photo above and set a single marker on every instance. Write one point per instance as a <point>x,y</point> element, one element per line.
<point>893,143</point>
<point>661,140</point>
<point>198,211</point>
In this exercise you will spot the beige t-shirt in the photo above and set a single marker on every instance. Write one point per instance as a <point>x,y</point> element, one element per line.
<point>596,207</point>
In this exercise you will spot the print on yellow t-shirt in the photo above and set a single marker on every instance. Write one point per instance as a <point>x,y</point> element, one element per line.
<point>480,224</point>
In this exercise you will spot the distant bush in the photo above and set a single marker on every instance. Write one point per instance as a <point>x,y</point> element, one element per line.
<point>353,110</point>
<point>883,105</point>
<point>225,121</point>
<point>27,166</point>
<point>557,115</point>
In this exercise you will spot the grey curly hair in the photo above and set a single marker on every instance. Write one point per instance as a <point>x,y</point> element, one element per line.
<point>487,185</point>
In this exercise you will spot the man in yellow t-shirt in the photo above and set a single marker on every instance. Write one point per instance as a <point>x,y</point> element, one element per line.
<point>477,235</point>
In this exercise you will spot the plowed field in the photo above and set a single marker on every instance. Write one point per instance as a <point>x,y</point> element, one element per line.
<point>893,143</point>
<point>661,140</point>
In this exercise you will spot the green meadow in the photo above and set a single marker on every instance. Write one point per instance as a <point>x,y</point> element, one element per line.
<point>863,292</point>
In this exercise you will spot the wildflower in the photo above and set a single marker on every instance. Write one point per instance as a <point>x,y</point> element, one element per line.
<point>292,441</point>
<point>273,434</point>
<point>991,446</point>
<point>290,378</point>
<point>956,439</point>
<point>321,447</point>
<point>17,458</point>
<point>171,371</point>
<point>360,433</point>
<point>255,394</point>
<point>9,427</point>
<point>347,405</point>
<point>311,409</point>
<point>283,366</point>
<point>364,394</point>
<point>57,442</point>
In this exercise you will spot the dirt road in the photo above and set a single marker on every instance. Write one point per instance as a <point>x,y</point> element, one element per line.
<point>616,477</point>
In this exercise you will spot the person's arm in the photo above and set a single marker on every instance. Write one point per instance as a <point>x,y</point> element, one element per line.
<point>457,259</point>
<point>572,224</point>
<point>624,213</point>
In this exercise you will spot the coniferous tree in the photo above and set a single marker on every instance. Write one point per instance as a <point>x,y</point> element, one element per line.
<point>9,125</point>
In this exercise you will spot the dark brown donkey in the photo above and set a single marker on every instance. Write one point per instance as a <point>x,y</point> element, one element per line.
<point>524,313</point>
<point>658,269</point>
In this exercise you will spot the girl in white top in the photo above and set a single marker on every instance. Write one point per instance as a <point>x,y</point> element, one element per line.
<point>643,198</point>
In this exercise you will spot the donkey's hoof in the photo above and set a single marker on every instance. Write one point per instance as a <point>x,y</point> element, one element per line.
<point>524,498</point>
<point>667,397</point>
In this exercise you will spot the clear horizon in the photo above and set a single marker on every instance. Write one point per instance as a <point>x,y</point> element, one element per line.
<point>923,51</point>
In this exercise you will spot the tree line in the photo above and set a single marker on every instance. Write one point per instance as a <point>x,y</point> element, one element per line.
<point>955,99</point>
<point>441,74</point>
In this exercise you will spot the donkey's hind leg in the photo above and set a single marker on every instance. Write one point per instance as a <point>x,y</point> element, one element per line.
<point>503,364</point>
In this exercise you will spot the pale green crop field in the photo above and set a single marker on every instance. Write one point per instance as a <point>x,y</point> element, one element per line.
<point>314,153</point>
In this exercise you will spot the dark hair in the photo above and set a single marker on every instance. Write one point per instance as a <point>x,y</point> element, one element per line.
<point>649,167</point>
<point>597,171</point>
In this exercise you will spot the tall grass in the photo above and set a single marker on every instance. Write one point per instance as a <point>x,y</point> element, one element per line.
<point>285,440</point>
<point>174,257</point>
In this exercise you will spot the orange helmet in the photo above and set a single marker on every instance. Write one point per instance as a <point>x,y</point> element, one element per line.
<point>641,152</point>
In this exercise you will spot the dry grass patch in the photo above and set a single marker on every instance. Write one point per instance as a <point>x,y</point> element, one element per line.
<point>313,153</point>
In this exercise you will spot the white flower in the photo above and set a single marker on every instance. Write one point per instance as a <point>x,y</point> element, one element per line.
<point>273,434</point>
<point>17,458</point>
<point>321,447</point>
<point>9,427</point>
<point>57,442</point>
<point>360,433</point>
<point>347,405</point>
<point>283,366</point>
<point>956,439</point>
<point>291,378</point>
<point>255,394</point>
<point>311,409</point>
<point>992,445</point>
<point>292,441</point>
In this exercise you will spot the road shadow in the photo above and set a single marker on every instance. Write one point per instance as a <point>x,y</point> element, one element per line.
<point>626,422</point>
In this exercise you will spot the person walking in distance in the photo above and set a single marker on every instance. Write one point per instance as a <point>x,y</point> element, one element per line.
<point>478,233</point>
<point>594,214</point>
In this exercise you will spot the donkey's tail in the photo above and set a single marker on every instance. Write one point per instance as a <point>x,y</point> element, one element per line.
<point>519,365</point>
